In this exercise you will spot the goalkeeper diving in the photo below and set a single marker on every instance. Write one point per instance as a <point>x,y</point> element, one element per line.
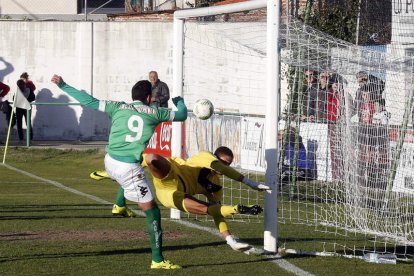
<point>176,181</point>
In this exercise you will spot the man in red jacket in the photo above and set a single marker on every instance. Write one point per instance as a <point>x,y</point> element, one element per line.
<point>4,89</point>
<point>4,104</point>
<point>336,107</point>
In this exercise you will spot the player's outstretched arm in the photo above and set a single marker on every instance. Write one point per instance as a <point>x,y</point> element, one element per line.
<point>181,113</point>
<point>81,96</point>
<point>56,79</point>
<point>235,175</point>
<point>255,185</point>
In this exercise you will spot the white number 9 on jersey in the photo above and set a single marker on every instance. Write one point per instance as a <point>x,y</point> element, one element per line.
<point>135,124</point>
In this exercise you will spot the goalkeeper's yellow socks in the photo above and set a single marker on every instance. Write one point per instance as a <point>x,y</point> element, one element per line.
<point>221,211</point>
<point>221,224</point>
<point>153,224</point>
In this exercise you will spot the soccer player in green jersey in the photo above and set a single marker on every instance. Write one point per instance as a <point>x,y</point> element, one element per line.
<point>132,127</point>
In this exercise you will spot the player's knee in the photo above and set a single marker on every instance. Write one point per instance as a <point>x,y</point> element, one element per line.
<point>149,158</point>
<point>148,205</point>
<point>154,160</point>
<point>158,165</point>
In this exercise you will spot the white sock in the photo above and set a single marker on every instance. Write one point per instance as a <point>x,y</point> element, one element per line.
<point>230,239</point>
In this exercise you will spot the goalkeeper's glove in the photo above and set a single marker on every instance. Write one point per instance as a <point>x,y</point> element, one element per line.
<point>254,185</point>
<point>175,100</point>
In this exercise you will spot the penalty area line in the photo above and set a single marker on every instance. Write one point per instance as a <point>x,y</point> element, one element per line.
<point>278,261</point>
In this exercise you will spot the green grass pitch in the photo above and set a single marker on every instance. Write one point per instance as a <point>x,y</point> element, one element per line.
<point>46,229</point>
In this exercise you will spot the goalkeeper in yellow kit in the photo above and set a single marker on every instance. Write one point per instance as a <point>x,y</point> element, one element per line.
<point>176,181</point>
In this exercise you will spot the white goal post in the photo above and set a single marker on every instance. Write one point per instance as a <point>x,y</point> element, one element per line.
<point>272,98</point>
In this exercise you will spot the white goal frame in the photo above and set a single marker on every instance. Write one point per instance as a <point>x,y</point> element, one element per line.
<point>272,96</point>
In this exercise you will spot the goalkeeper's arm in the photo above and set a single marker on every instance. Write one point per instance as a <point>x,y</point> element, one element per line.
<point>235,175</point>
<point>255,185</point>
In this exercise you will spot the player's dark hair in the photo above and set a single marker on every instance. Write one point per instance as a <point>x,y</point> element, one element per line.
<point>220,151</point>
<point>24,75</point>
<point>141,90</point>
<point>21,84</point>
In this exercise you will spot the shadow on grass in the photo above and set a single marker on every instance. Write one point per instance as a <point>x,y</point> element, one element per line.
<point>110,216</point>
<point>52,209</point>
<point>231,263</point>
<point>105,253</point>
<point>401,251</point>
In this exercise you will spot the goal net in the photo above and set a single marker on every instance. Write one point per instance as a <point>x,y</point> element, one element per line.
<point>345,138</point>
<point>226,65</point>
<point>350,107</point>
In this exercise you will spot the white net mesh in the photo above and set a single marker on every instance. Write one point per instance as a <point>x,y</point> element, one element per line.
<point>347,150</point>
<point>226,65</point>
<point>353,113</point>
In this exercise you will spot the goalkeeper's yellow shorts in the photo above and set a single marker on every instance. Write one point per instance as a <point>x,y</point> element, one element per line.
<point>170,190</point>
<point>181,181</point>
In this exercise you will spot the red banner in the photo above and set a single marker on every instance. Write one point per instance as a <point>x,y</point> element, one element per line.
<point>160,142</point>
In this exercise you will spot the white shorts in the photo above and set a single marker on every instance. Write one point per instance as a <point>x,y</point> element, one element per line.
<point>132,178</point>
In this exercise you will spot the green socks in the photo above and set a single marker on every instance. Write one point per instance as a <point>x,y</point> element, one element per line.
<point>120,199</point>
<point>153,224</point>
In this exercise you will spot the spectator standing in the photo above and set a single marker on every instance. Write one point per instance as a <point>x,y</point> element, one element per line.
<point>20,112</point>
<point>377,85</point>
<point>160,91</point>
<point>381,116</point>
<point>367,107</point>
<point>310,96</point>
<point>29,84</point>
<point>335,114</point>
<point>322,97</point>
<point>366,133</point>
<point>304,168</point>
<point>4,89</point>
<point>5,105</point>
<point>380,121</point>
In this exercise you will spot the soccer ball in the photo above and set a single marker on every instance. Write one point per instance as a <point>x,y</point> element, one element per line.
<point>203,109</point>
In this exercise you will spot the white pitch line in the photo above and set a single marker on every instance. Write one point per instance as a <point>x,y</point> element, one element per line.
<point>279,261</point>
<point>57,184</point>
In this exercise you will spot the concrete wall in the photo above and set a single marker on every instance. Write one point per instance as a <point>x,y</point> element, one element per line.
<point>107,58</point>
<point>104,58</point>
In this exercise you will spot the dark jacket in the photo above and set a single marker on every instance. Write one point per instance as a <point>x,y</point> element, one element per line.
<point>161,93</point>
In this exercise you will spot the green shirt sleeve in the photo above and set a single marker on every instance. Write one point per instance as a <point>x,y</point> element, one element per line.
<point>81,96</point>
<point>181,113</point>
